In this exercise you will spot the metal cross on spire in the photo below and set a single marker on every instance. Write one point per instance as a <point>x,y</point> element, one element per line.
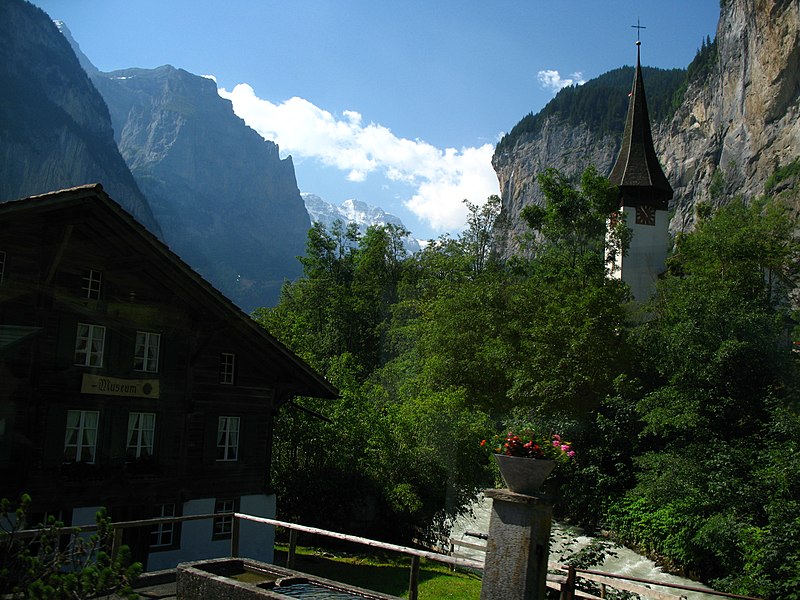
<point>638,29</point>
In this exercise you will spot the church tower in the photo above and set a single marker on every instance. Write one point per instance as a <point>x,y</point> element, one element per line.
<point>644,197</point>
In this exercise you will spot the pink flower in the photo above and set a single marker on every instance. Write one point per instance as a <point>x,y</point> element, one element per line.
<point>571,453</point>
<point>564,448</point>
<point>556,443</point>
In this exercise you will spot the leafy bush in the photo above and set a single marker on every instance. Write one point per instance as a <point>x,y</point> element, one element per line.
<point>782,174</point>
<point>52,565</point>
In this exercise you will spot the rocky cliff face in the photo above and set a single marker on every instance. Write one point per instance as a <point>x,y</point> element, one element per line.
<point>559,145</point>
<point>55,130</point>
<point>226,201</point>
<point>734,129</point>
<point>735,126</point>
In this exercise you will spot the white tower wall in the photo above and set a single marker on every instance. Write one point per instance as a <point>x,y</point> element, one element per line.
<point>646,258</point>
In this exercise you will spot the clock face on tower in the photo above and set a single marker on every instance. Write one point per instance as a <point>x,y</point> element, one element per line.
<point>645,215</point>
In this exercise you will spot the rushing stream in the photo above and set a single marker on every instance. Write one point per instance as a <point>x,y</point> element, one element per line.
<point>626,562</point>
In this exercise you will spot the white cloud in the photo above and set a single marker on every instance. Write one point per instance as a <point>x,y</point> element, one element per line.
<point>442,178</point>
<point>550,79</point>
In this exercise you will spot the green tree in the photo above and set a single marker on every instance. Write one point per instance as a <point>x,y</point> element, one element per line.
<point>720,372</point>
<point>477,237</point>
<point>369,453</point>
<point>377,272</point>
<point>314,316</point>
<point>571,227</point>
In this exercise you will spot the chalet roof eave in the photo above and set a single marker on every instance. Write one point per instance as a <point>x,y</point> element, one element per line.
<point>210,296</point>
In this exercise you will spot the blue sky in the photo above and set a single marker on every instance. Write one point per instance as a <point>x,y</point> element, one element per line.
<point>397,104</point>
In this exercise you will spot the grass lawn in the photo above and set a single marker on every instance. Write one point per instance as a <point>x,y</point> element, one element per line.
<point>385,573</point>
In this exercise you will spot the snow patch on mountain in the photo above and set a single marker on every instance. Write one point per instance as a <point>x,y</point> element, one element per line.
<point>354,211</point>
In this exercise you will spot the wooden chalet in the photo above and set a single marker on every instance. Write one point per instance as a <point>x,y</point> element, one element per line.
<point>128,381</point>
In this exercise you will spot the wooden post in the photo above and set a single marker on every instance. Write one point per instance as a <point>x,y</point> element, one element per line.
<point>568,587</point>
<point>292,549</point>
<point>116,544</point>
<point>413,580</point>
<point>235,534</point>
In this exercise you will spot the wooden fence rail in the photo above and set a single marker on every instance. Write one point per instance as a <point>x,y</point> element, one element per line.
<point>415,554</point>
<point>564,583</point>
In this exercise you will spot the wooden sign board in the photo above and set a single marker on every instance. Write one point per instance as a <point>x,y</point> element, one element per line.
<point>114,386</point>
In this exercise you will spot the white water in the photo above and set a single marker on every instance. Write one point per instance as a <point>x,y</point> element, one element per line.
<point>627,562</point>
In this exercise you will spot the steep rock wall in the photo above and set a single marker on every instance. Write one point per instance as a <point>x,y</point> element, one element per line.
<point>55,130</point>
<point>742,121</point>
<point>570,149</point>
<point>228,204</point>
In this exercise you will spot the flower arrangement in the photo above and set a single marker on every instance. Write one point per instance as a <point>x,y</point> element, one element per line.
<point>527,444</point>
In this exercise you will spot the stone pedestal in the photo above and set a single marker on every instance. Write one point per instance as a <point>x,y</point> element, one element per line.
<point>518,546</point>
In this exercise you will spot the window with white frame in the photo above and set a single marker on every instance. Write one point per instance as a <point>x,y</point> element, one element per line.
<point>92,281</point>
<point>2,265</point>
<point>145,355</point>
<point>164,534</point>
<point>141,433</point>
<point>80,438</point>
<point>228,438</point>
<point>227,364</point>
<point>223,525</point>
<point>89,345</point>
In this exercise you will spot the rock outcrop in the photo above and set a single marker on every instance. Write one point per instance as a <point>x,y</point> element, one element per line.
<point>736,124</point>
<point>55,130</point>
<point>581,126</point>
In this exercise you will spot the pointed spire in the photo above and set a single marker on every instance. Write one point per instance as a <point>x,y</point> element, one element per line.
<point>637,171</point>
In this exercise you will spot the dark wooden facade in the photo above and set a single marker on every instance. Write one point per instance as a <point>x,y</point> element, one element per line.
<point>75,259</point>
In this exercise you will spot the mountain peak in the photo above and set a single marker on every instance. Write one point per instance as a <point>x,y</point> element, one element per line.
<point>354,211</point>
<point>82,58</point>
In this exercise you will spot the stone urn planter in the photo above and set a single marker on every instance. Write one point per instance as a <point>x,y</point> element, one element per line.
<point>524,475</point>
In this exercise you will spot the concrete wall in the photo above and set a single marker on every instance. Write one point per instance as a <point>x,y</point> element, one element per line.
<point>256,541</point>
